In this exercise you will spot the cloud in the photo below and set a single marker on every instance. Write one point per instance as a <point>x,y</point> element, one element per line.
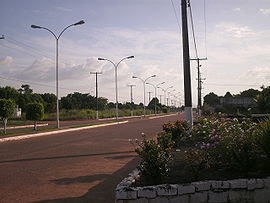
<point>265,11</point>
<point>235,30</point>
<point>237,9</point>
<point>60,8</point>
<point>259,73</point>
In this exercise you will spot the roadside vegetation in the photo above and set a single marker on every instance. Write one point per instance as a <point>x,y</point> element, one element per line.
<point>34,108</point>
<point>217,148</point>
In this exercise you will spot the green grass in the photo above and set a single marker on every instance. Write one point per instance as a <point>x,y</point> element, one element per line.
<point>92,124</point>
<point>20,131</point>
<point>23,131</point>
<point>91,114</point>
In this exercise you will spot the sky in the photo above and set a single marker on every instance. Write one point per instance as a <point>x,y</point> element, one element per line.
<point>234,35</point>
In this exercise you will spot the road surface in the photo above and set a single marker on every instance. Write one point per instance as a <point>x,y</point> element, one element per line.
<point>82,166</point>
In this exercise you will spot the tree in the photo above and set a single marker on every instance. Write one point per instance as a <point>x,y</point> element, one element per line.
<point>228,95</point>
<point>250,93</point>
<point>9,93</point>
<point>49,102</point>
<point>211,99</point>
<point>263,100</point>
<point>152,103</point>
<point>25,89</point>
<point>35,112</point>
<point>7,107</point>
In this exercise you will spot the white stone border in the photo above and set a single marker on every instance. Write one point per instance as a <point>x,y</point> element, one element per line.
<point>238,190</point>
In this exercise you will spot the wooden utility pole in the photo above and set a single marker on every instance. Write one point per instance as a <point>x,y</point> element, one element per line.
<point>186,61</point>
<point>96,73</point>
<point>131,99</point>
<point>199,107</point>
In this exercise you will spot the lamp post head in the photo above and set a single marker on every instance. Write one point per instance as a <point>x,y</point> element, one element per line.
<point>79,23</point>
<point>153,76</point>
<point>36,26</point>
<point>130,57</point>
<point>101,59</point>
<point>134,77</point>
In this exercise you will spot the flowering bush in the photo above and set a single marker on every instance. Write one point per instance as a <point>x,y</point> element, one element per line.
<point>228,143</point>
<point>179,131</point>
<point>264,132</point>
<point>155,157</point>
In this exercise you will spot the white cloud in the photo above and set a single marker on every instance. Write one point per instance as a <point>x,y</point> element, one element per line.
<point>235,30</point>
<point>265,11</point>
<point>259,73</point>
<point>60,8</point>
<point>237,9</point>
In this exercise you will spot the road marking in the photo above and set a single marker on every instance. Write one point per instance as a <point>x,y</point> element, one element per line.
<point>57,132</point>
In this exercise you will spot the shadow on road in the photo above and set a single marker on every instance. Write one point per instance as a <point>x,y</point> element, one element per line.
<point>101,193</point>
<point>66,157</point>
<point>80,179</point>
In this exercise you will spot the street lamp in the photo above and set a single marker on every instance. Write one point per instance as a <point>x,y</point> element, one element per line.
<point>57,38</point>
<point>155,87</point>
<point>165,90</point>
<point>144,81</point>
<point>115,70</point>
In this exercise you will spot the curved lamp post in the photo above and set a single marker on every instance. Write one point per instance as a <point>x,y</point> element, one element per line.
<point>115,70</point>
<point>155,87</point>
<point>165,90</point>
<point>144,81</point>
<point>57,39</point>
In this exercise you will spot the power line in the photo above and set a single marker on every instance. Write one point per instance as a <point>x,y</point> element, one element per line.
<point>243,85</point>
<point>193,30</point>
<point>205,27</point>
<point>178,23</point>
<point>35,83</point>
<point>26,45</point>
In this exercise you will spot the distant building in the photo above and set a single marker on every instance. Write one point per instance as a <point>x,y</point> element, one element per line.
<point>238,101</point>
<point>18,112</point>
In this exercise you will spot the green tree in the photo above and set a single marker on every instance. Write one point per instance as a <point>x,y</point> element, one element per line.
<point>35,112</point>
<point>250,93</point>
<point>211,99</point>
<point>7,107</point>
<point>25,89</point>
<point>228,95</point>
<point>152,103</point>
<point>9,93</point>
<point>263,100</point>
<point>49,102</point>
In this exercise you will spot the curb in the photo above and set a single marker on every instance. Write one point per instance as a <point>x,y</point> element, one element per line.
<point>57,132</point>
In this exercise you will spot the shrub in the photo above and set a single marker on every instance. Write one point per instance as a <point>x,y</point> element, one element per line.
<point>178,130</point>
<point>155,158</point>
<point>228,143</point>
<point>264,132</point>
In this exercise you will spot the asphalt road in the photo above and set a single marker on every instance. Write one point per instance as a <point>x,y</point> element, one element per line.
<point>82,166</point>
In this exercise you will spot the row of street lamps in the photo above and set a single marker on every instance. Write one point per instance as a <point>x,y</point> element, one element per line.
<point>102,59</point>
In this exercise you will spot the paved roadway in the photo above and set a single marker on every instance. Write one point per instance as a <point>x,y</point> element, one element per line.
<point>82,166</point>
